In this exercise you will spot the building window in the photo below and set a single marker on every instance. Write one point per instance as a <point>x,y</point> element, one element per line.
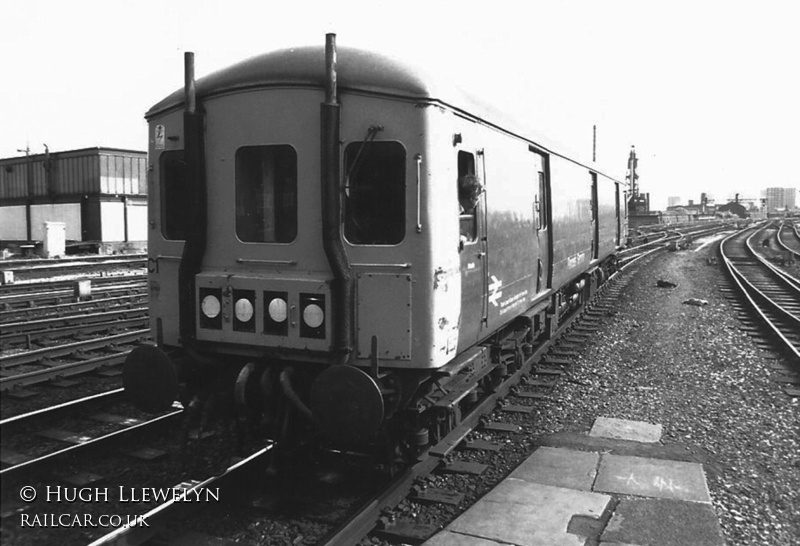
<point>375,187</point>
<point>174,186</point>
<point>266,194</point>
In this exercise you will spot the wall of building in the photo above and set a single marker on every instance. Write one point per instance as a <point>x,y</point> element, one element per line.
<point>137,219</point>
<point>12,223</point>
<point>112,218</point>
<point>69,213</point>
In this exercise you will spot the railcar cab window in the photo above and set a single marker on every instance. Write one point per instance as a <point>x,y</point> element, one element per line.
<point>469,191</point>
<point>541,203</point>
<point>375,187</point>
<point>266,194</point>
<point>174,186</point>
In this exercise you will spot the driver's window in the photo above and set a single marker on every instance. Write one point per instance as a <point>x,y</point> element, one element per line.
<point>469,189</point>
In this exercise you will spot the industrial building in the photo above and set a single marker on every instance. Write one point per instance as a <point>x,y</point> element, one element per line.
<point>98,194</point>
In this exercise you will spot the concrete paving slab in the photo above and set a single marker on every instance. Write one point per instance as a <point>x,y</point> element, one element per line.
<point>652,478</point>
<point>623,429</point>
<point>529,514</point>
<point>559,467</point>
<point>676,451</point>
<point>663,522</point>
<point>446,538</point>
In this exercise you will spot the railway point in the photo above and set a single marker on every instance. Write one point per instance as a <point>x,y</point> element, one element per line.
<point>616,486</point>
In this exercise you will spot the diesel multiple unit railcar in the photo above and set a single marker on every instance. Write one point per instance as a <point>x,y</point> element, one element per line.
<point>347,246</point>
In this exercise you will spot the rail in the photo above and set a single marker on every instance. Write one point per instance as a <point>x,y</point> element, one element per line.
<point>35,465</point>
<point>161,516</point>
<point>748,270</point>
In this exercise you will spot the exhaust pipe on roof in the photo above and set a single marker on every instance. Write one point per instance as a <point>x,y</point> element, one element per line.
<point>196,201</point>
<point>342,289</point>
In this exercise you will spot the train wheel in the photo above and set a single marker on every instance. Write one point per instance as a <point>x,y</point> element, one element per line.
<point>150,379</point>
<point>347,404</point>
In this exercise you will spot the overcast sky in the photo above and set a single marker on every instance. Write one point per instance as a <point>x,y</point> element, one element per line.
<point>707,91</point>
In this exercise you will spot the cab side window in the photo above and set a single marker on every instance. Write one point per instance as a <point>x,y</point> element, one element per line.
<point>174,188</point>
<point>469,190</point>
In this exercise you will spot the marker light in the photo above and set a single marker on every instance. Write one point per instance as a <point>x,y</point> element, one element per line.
<point>243,310</point>
<point>210,306</point>
<point>313,315</point>
<point>277,310</point>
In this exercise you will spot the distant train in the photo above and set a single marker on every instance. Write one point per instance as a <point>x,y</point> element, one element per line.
<point>351,249</point>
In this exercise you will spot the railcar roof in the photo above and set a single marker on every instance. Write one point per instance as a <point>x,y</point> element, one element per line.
<point>305,66</point>
<point>356,70</point>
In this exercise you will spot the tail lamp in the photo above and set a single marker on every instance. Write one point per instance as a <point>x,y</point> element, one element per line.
<point>244,304</point>
<point>312,310</point>
<point>276,313</point>
<point>211,308</point>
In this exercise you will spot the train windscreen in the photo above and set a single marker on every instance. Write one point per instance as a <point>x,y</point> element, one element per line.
<point>375,182</point>
<point>266,194</point>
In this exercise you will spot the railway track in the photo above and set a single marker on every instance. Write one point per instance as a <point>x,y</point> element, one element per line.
<point>71,310</point>
<point>103,419</point>
<point>23,296</point>
<point>788,238</point>
<point>28,331</point>
<point>669,238</point>
<point>773,295</point>
<point>527,383</point>
<point>28,270</point>
<point>530,382</point>
<point>16,369</point>
<point>237,476</point>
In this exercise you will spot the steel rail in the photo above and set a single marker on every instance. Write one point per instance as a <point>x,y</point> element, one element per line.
<point>666,238</point>
<point>751,293</point>
<point>630,260</point>
<point>78,258</point>
<point>74,308</point>
<point>34,465</point>
<point>25,288</point>
<point>60,371</point>
<point>792,242</point>
<point>784,277</point>
<point>32,357</point>
<point>28,338</point>
<point>107,396</point>
<point>655,242</point>
<point>36,266</point>
<point>67,295</point>
<point>50,324</point>
<point>45,323</point>
<point>164,514</point>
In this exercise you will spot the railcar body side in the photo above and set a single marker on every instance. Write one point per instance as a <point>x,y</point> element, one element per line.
<point>434,274</point>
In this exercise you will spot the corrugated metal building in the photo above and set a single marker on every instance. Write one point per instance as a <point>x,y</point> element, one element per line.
<point>99,193</point>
